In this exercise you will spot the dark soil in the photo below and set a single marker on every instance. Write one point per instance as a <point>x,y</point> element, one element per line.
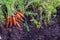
<point>52,32</point>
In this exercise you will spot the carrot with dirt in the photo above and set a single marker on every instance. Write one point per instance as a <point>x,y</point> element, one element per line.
<point>17,24</point>
<point>20,13</point>
<point>11,21</point>
<point>19,17</point>
<point>14,20</point>
<point>7,20</point>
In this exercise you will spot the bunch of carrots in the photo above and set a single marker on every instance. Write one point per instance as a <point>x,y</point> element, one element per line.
<point>13,20</point>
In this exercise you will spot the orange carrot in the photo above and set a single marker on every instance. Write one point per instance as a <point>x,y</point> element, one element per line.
<point>14,20</point>
<point>7,21</point>
<point>10,21</point>
<point>18,25</point>
<point>19,17</point>
<point>20,13</point>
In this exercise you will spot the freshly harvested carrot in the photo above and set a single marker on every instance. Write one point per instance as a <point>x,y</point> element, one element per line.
<point>14,20</point>
<point>20,13</point>
<point>7,21</point>
<point>19,17</point>
<point>10,21</point>
<point>18,25</point>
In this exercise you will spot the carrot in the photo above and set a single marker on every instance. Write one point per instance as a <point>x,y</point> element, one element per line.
<point>10,21</point>
<point>20,13</point>
<point>7,21</point>
<point>19,17</point>
<point>18,25</point>
<point>14,20</point>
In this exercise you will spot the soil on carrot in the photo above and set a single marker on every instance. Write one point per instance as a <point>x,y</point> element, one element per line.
<point>52,32</point>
